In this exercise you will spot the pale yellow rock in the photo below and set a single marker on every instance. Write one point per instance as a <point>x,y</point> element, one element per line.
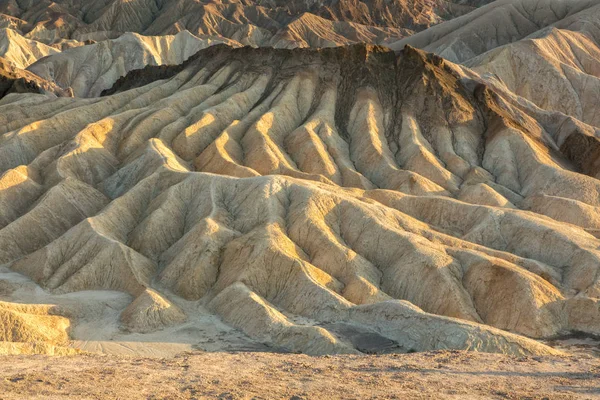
<point>20,51</point>
<point>291,192</point>
<point>150,312</point>
<point>245,310</point>
<point>21,323</point>
<point>88,70</point>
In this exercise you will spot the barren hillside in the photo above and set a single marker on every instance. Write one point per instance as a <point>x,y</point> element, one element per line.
<point>127,35</point>
<point>321,201</point>
<point>545,51</point>
<point>267,176</point>
<point>260,22</point>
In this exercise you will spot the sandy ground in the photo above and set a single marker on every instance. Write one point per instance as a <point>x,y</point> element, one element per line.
<point>436,375</point>
<point>96,327</point>
<point>204,358</point>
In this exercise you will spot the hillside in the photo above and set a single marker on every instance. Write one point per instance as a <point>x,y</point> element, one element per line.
<point>247,22</point>
<point>317,201</point>
<point>309,176</point>
<point>544,51</point>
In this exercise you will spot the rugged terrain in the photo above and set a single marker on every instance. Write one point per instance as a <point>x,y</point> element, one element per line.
<point>133,34</point>
<point>296,23</point>
<point>168,190</point>
<point>328,201</point>
<point>545,51</point>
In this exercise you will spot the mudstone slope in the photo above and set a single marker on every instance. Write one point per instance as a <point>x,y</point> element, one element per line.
<point>338,200</point>
<point>104,40</point>
<point>250,22</point>
<point>545,51</point>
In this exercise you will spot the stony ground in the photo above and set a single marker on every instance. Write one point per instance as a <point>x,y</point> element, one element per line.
<point>288,376</point>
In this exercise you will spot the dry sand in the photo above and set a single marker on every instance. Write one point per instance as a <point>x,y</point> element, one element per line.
<point>442,374</point>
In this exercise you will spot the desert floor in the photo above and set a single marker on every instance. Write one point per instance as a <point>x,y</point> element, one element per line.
<point>445,374</point>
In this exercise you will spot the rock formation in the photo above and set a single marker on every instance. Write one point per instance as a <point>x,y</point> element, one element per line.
<point>31,323</point>
<point>525,48</point>
<point>22,52</point>
<point>169,31</point>
<point>89,70</point>
<point>150,312</point>
<point>16,80</point>
<point>259,23</point>
<point>499,23</point>
<point>313,200</point>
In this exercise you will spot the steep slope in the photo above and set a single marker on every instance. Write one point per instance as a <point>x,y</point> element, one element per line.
<point>413,15</point>
<point>309,30</point>
<point>547,52</point>
<point>91,69</point>
<point>16,53</point>
<point>22,52</point>
<point>499,23</point>
<point>312,189</point>
<point>566,59</point>
<point>257,23</point>
<point>16,80</point>
<point>36,29</point>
